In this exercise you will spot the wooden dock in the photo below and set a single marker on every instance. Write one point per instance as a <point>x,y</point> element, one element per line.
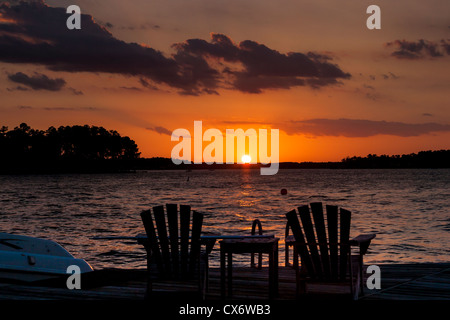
<point>426,281</point>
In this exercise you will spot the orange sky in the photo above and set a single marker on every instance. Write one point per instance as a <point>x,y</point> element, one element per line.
<point>404,100</point>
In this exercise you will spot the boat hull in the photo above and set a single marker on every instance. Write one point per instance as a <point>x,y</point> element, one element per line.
<point>30,259</point>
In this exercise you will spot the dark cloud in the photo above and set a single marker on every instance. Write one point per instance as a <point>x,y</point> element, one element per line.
<point>419,49</point>
<point>59,108</point>
<point>39,35</point>
<point>132,89</point>
<point>147,84</point>
<point>18,88</point>
<point>362,128</point>
<point>252,67</point>
<point>144,26</point>
<point>106,24</point>
<point>244,122</point>
<point>372,96</point>
<point>393,76</point>
<point>76,92</point>
<point>36,33</point>
<point>38,81</point>
<point>160,130</point>
<point>70,109</point>
<point>389,75</point>
<point>445,44</point>
<point>352,128</point>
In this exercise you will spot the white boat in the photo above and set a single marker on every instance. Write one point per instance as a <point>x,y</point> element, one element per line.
<point>30,259</point>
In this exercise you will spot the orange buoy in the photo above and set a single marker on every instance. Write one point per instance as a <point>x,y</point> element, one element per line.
<point>283,192</point>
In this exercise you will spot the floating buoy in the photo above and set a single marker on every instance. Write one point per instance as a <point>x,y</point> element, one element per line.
<point>283,192</point>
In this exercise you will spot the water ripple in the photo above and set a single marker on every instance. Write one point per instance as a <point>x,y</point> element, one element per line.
<point>408,209</point>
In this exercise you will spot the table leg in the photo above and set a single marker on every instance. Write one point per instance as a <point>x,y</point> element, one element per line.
<point>276,270</point>
<point>271,274</point>
<point>222,273</point>
<point>230,274</point>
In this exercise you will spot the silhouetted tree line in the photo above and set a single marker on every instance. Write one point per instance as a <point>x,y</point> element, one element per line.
<point>95,149</point>
<point>423,159</point>
<point>66,149</point>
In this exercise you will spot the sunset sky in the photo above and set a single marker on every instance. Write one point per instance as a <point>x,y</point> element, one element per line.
<point>311,69</point>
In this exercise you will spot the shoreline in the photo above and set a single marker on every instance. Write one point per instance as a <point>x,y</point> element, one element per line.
<point>203,167</point>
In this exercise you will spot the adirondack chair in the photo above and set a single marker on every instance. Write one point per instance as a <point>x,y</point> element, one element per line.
<point>174,246</point>
<point>325,258</point>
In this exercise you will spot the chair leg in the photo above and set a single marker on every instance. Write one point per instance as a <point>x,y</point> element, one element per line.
<point>361,275</point>
<point>203,276</point>
<point>149,286</point>
<point>353,288</point>
<point>286,255</point>
<point>148,291</point>
<point>300,284</point>
<point>356,276</point>
<point>202,286</point>
<point>356,287</point>
<point>207,274</point>
<point>295,257</point>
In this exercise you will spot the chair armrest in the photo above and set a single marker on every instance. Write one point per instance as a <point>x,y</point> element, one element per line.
<point>362,238</point>
<point>363,242</point>
<point>289,240</point>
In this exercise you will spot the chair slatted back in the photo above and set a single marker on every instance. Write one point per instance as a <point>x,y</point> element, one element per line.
<point>322,255</point>
<point>174,239</point>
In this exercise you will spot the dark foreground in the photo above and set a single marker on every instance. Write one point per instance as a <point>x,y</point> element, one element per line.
<point>398,282</point>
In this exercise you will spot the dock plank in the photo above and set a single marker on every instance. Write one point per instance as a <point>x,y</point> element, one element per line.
<point>398,282</point>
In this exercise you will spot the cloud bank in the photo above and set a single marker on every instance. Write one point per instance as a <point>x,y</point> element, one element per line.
<point>362,128</point>
<point>38,81</point>
<point>419,49</point>
<point>35,33</point>
<point>252,67</point>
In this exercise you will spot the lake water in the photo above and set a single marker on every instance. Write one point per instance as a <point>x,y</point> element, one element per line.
<point>408,209</point>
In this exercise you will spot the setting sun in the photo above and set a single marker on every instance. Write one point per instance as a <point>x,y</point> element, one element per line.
<point>246,158</point>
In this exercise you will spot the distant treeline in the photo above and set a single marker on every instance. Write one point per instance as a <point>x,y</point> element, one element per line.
<point>64,149</point>
<point>96,149</point>
<point>423,159</point>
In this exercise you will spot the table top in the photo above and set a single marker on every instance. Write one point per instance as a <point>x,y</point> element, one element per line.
<point>204,236</point>
<point>246,241</point>
<point>248,245</point>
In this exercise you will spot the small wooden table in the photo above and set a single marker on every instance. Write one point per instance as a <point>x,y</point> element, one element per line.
<point>248,245</point>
